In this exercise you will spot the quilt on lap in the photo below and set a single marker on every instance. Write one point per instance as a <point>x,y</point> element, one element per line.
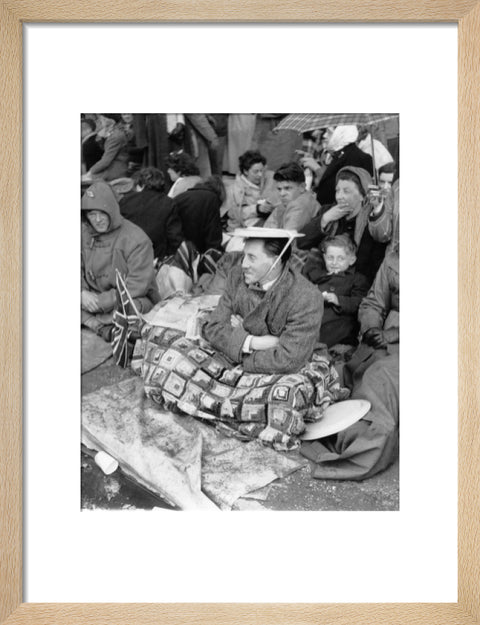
<point>187,376</point>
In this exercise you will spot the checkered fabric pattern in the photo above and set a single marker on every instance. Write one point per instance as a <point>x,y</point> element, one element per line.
<point>304,122</point>
<point>189,377</point>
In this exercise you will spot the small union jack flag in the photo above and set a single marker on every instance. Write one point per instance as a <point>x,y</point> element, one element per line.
<point>127,323</point>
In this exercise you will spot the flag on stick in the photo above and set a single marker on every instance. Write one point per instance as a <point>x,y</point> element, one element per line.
<point>127,323</point>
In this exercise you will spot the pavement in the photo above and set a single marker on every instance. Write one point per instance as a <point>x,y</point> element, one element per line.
<point>297,491</point>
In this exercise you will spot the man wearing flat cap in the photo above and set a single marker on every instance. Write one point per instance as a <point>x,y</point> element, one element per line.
<point>268,319</point>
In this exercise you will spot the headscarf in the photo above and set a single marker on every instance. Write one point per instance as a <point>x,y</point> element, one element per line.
<point>363,177</point>
<point>342,136</point>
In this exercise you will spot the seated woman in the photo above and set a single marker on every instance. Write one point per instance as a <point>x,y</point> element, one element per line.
<point>268,319</point>
<point>110,242</point>
<point>351,214</point>
<point>342,288</point>
<point>252,196</point>
<point>183,173</point>
<point>148,207</point>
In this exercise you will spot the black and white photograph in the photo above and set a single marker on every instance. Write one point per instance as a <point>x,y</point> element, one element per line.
<point>240,311</point>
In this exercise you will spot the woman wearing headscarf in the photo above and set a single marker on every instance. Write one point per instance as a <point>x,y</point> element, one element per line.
<point>351,214</point>
<point>344,153</point>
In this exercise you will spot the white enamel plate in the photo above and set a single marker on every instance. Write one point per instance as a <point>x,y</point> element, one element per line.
<point>337,417</point>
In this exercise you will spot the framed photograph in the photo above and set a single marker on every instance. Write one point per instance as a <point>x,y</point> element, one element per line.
<point>62,559</point>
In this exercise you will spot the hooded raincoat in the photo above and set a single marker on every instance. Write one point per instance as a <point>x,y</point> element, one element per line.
<point>124,247</point>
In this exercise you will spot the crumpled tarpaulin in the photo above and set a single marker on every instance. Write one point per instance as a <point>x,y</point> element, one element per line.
<point>184,461</point>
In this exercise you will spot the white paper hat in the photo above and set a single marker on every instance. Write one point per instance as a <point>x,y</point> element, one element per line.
<point>257,232</point>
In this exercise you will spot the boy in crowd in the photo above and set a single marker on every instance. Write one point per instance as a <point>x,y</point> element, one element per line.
<point>298,206</point>
<point>341,286</point>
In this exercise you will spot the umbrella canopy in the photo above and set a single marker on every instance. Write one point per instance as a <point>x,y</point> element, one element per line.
<point>303,122</point>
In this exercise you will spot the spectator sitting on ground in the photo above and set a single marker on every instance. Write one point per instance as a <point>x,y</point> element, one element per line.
<point>268,318</point>
<point>298,206</point>
<point>148,207</point>
<point>183,173</point>
<point>252,196</point>
<point>341,286</point>
<point>352,214</point>
<point>199,212</point>
<point>110,242</point>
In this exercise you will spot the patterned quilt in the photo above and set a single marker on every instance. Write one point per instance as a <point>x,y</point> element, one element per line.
<point>187,376</point>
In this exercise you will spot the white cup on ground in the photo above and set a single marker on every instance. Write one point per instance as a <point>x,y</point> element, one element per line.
<point>106,462</point>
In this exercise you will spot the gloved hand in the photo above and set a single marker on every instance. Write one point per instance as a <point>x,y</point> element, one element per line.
<point>377,338</point>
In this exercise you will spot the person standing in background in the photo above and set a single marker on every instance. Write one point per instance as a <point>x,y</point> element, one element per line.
<point>219,121</point>
<point>203,142</point>
<point>241,128</point>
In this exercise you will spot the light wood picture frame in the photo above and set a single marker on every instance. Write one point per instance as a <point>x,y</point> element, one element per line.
<point>15,13</point>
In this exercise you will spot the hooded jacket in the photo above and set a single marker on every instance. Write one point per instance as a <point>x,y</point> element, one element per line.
<point>124,247</point>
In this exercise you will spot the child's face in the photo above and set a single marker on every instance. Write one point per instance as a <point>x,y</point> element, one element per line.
<point>337,259</point>
<point>289,190</point>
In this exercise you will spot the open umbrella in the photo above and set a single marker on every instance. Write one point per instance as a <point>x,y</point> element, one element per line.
<point>304,122</point>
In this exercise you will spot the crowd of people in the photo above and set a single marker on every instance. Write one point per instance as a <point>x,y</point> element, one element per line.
<point>302,238</point>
